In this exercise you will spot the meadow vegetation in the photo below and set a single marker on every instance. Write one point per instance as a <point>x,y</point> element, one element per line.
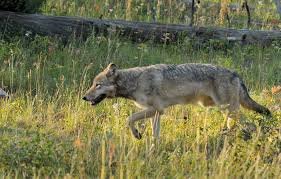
<point>47,130</point>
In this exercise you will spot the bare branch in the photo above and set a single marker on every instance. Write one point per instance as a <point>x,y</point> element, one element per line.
<point>192,12</point>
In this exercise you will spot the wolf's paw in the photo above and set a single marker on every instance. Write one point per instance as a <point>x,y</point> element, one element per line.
<point>137,134</point>
<point>224,131</point>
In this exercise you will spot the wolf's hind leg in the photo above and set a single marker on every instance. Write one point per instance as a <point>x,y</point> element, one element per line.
<point>232,108</point>
<point>232,118</point>
<point>227,99</point>
<point>234,105</point>
<point>147,113</point>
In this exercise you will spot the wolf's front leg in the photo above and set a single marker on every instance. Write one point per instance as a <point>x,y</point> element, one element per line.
<point>155,124</point>
<point>147,113</point>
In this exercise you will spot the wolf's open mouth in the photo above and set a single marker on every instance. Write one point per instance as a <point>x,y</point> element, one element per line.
<point>98,99</point>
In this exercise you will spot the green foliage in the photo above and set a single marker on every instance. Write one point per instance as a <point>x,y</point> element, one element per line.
<point>263,13</point>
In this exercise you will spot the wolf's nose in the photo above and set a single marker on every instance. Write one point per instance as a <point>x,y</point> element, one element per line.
<point>84,98</point>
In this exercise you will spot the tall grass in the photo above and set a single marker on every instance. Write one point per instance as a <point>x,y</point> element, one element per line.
<point>46,130</point>
<point>263,13</point>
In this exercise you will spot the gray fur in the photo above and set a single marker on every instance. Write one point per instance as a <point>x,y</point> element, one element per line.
<point>156,87</point>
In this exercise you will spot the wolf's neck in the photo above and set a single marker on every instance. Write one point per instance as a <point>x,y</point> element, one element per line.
<point>126,82</point>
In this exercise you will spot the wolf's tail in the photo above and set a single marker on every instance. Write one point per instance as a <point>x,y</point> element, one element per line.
<point>247,102</point>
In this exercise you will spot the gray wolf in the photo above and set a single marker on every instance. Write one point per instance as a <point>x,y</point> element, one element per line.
<point>156,87</point>
<point>3,94</point>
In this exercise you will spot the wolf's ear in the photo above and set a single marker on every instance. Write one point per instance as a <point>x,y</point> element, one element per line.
<point>111,70</point>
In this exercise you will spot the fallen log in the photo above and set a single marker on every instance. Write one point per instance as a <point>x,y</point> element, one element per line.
<point>67,27</point>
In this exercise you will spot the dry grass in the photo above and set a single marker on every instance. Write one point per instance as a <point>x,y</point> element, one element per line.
<point>47,130</point>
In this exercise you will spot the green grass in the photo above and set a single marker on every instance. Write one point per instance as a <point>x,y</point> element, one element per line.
<point>165,11</point>
<point>47,130</point>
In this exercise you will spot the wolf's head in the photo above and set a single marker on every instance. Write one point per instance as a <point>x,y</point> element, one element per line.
<point>103,85</point>
<point>3,94</point>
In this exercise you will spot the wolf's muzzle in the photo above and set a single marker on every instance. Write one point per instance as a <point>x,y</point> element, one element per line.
<point>98,99</point>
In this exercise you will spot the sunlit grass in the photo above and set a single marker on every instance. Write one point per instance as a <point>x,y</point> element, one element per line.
<point>40,138</point>
<point>46,129</point>
<point>263,13</point>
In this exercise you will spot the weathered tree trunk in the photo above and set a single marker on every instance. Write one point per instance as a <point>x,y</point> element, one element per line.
<point>67,27</point>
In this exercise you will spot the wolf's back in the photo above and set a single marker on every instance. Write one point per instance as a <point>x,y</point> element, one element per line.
<point>193,71</point>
